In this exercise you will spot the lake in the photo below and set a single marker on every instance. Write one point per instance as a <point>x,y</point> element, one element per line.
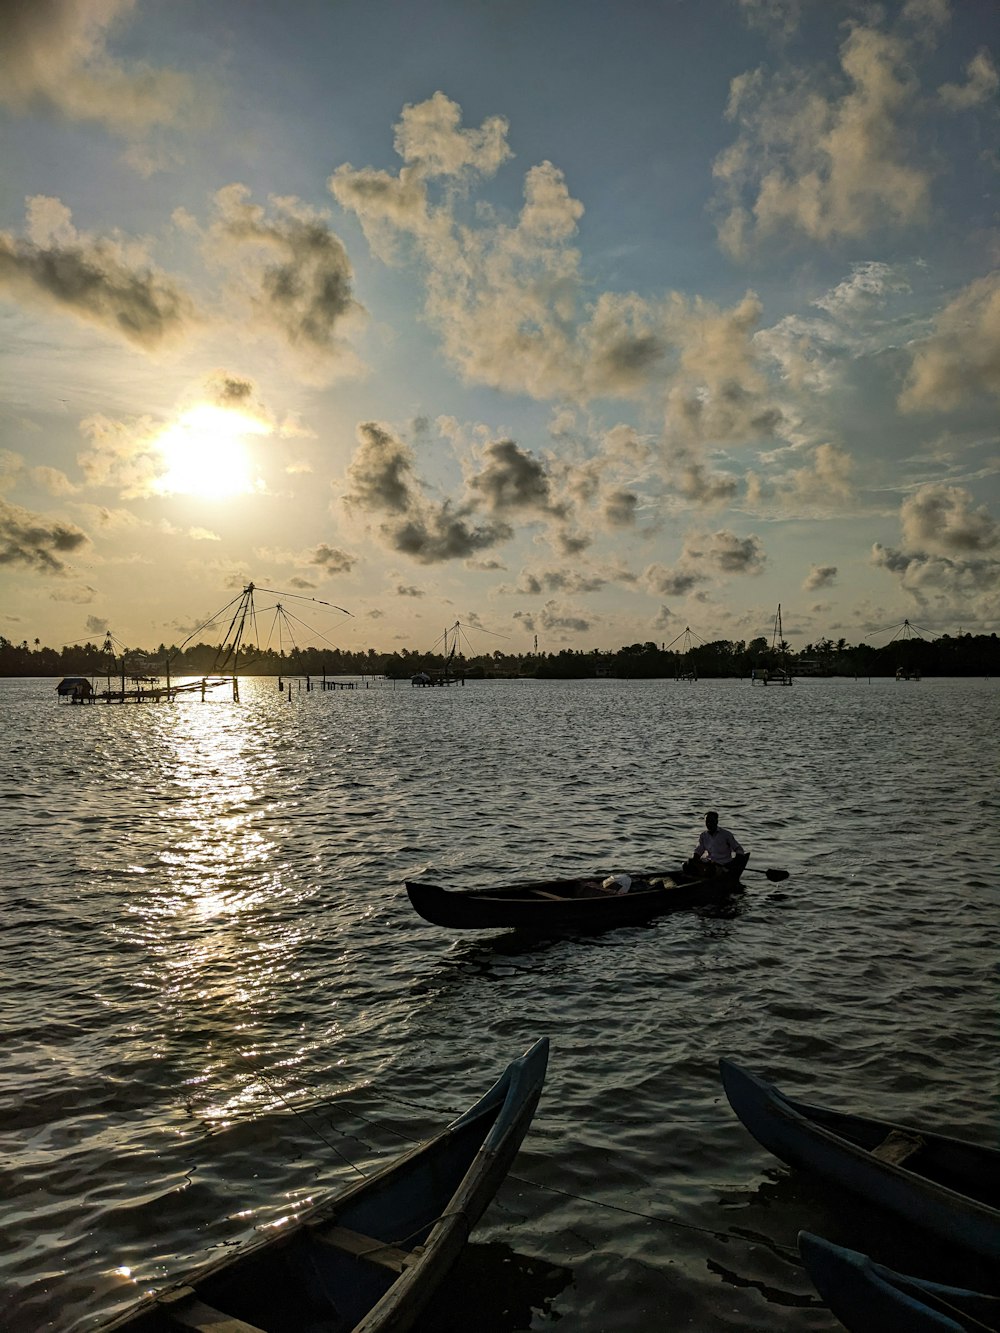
<point>217,1003</point>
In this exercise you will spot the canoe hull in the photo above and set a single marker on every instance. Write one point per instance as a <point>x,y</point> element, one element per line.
<point>371,1258</point>
<point>554,906</point>
<point>948,1188</point>
<point>869,1298</point>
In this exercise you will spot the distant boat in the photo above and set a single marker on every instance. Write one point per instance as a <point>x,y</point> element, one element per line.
<point>869,1298</point>
<point>780,675</point>
<point>369,1258</point>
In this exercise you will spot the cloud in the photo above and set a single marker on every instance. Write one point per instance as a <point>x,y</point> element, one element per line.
<point>122,455</point>
<point>37,541</point>
<point>553,618</point>
<point>294,273</point>
<point>781,17</point>
<point>513,481</point>
<point>830,164</point>
<point>53,480</point>
<point>574,581</point>
<point>819,576</point>
<point>505,295</point>
<point>866,289</point>
<point>193,534</point>
<point>663,582</point>
<point>946,560</point>
<point>429,137</point>
<point>12,468</point>
<point>724,552</point>
<point>225,389</point>
<point>604,483</point>
<point>966,588</point>
<point>706,489</point>
<point>821,486</point>
<point>962,355</point>
<point>942,519</point>
<point>620,509</point>
<point>706,556</point>
<point>979,88</point>
<point>54,57</point>
<point>381,481</point>
<point>718,395</point>
<point>106,282</point>
<point>333,560</point>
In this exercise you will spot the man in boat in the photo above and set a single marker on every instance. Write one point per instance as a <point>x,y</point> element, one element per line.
<point>718,852</point>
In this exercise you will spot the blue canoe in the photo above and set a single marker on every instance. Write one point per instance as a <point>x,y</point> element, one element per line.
<point>944,1186</point>
<point>368,1259</point>
<point>868,1298</point>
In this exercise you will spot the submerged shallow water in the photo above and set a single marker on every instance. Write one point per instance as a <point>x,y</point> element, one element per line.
<point>218,1003</point>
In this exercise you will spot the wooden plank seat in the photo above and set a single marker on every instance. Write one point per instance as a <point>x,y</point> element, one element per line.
<point>185,1310</point>
<point>361,1246</point>
<point>897,1146</point>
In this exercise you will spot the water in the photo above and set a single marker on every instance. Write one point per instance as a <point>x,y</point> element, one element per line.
<point>217,1003</point>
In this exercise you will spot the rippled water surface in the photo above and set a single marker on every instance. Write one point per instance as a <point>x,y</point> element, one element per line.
<point>217,1002</point>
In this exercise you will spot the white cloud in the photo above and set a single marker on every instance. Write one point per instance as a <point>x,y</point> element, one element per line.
<point>962,355</point>
<point>293,273</point>
<point>54,55</point>
<point>979,88</point>
<point>828,163</point>
<point>105,281</point>
<point>37,541</point>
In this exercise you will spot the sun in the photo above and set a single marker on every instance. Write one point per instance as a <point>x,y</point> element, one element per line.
<point>205,454</point>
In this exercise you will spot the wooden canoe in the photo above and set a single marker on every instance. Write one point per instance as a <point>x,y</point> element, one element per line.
<point>554,905</point>
<point>368,1259</point>
<point>869,1298</point>
<point>944,1186</point>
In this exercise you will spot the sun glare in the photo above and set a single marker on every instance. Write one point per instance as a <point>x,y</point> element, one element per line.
<point>205,454</point>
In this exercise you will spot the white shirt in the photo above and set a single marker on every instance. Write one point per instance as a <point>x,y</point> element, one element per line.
<point>721,846</point>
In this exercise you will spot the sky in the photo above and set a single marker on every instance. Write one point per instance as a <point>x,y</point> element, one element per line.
<point>572,324</point>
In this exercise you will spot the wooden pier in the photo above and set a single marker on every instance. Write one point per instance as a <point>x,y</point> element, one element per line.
<point>79,690</point>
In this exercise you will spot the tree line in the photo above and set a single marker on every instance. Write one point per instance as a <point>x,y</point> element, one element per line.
<point>959,655</point>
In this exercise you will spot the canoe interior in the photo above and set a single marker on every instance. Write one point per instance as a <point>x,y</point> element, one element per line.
<point>967,1168</point>
<point>570,890</point>
<point>353,1262</point>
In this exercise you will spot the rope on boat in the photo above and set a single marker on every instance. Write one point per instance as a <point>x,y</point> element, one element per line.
<point>783,1251</point>
<point>265,1078</point>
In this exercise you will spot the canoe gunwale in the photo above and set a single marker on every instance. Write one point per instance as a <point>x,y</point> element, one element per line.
<point>513,907</point>
<point>786,1127</point>
<point>504,1113</point>
<point>869,1297</point>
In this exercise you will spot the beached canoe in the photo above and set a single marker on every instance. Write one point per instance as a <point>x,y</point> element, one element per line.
<point>554,905</point>
<point>368,1259</point>
<point>944,1186</point>
<point>869,1298</point>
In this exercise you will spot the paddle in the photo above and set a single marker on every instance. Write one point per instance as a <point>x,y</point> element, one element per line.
<point>775,876</point>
